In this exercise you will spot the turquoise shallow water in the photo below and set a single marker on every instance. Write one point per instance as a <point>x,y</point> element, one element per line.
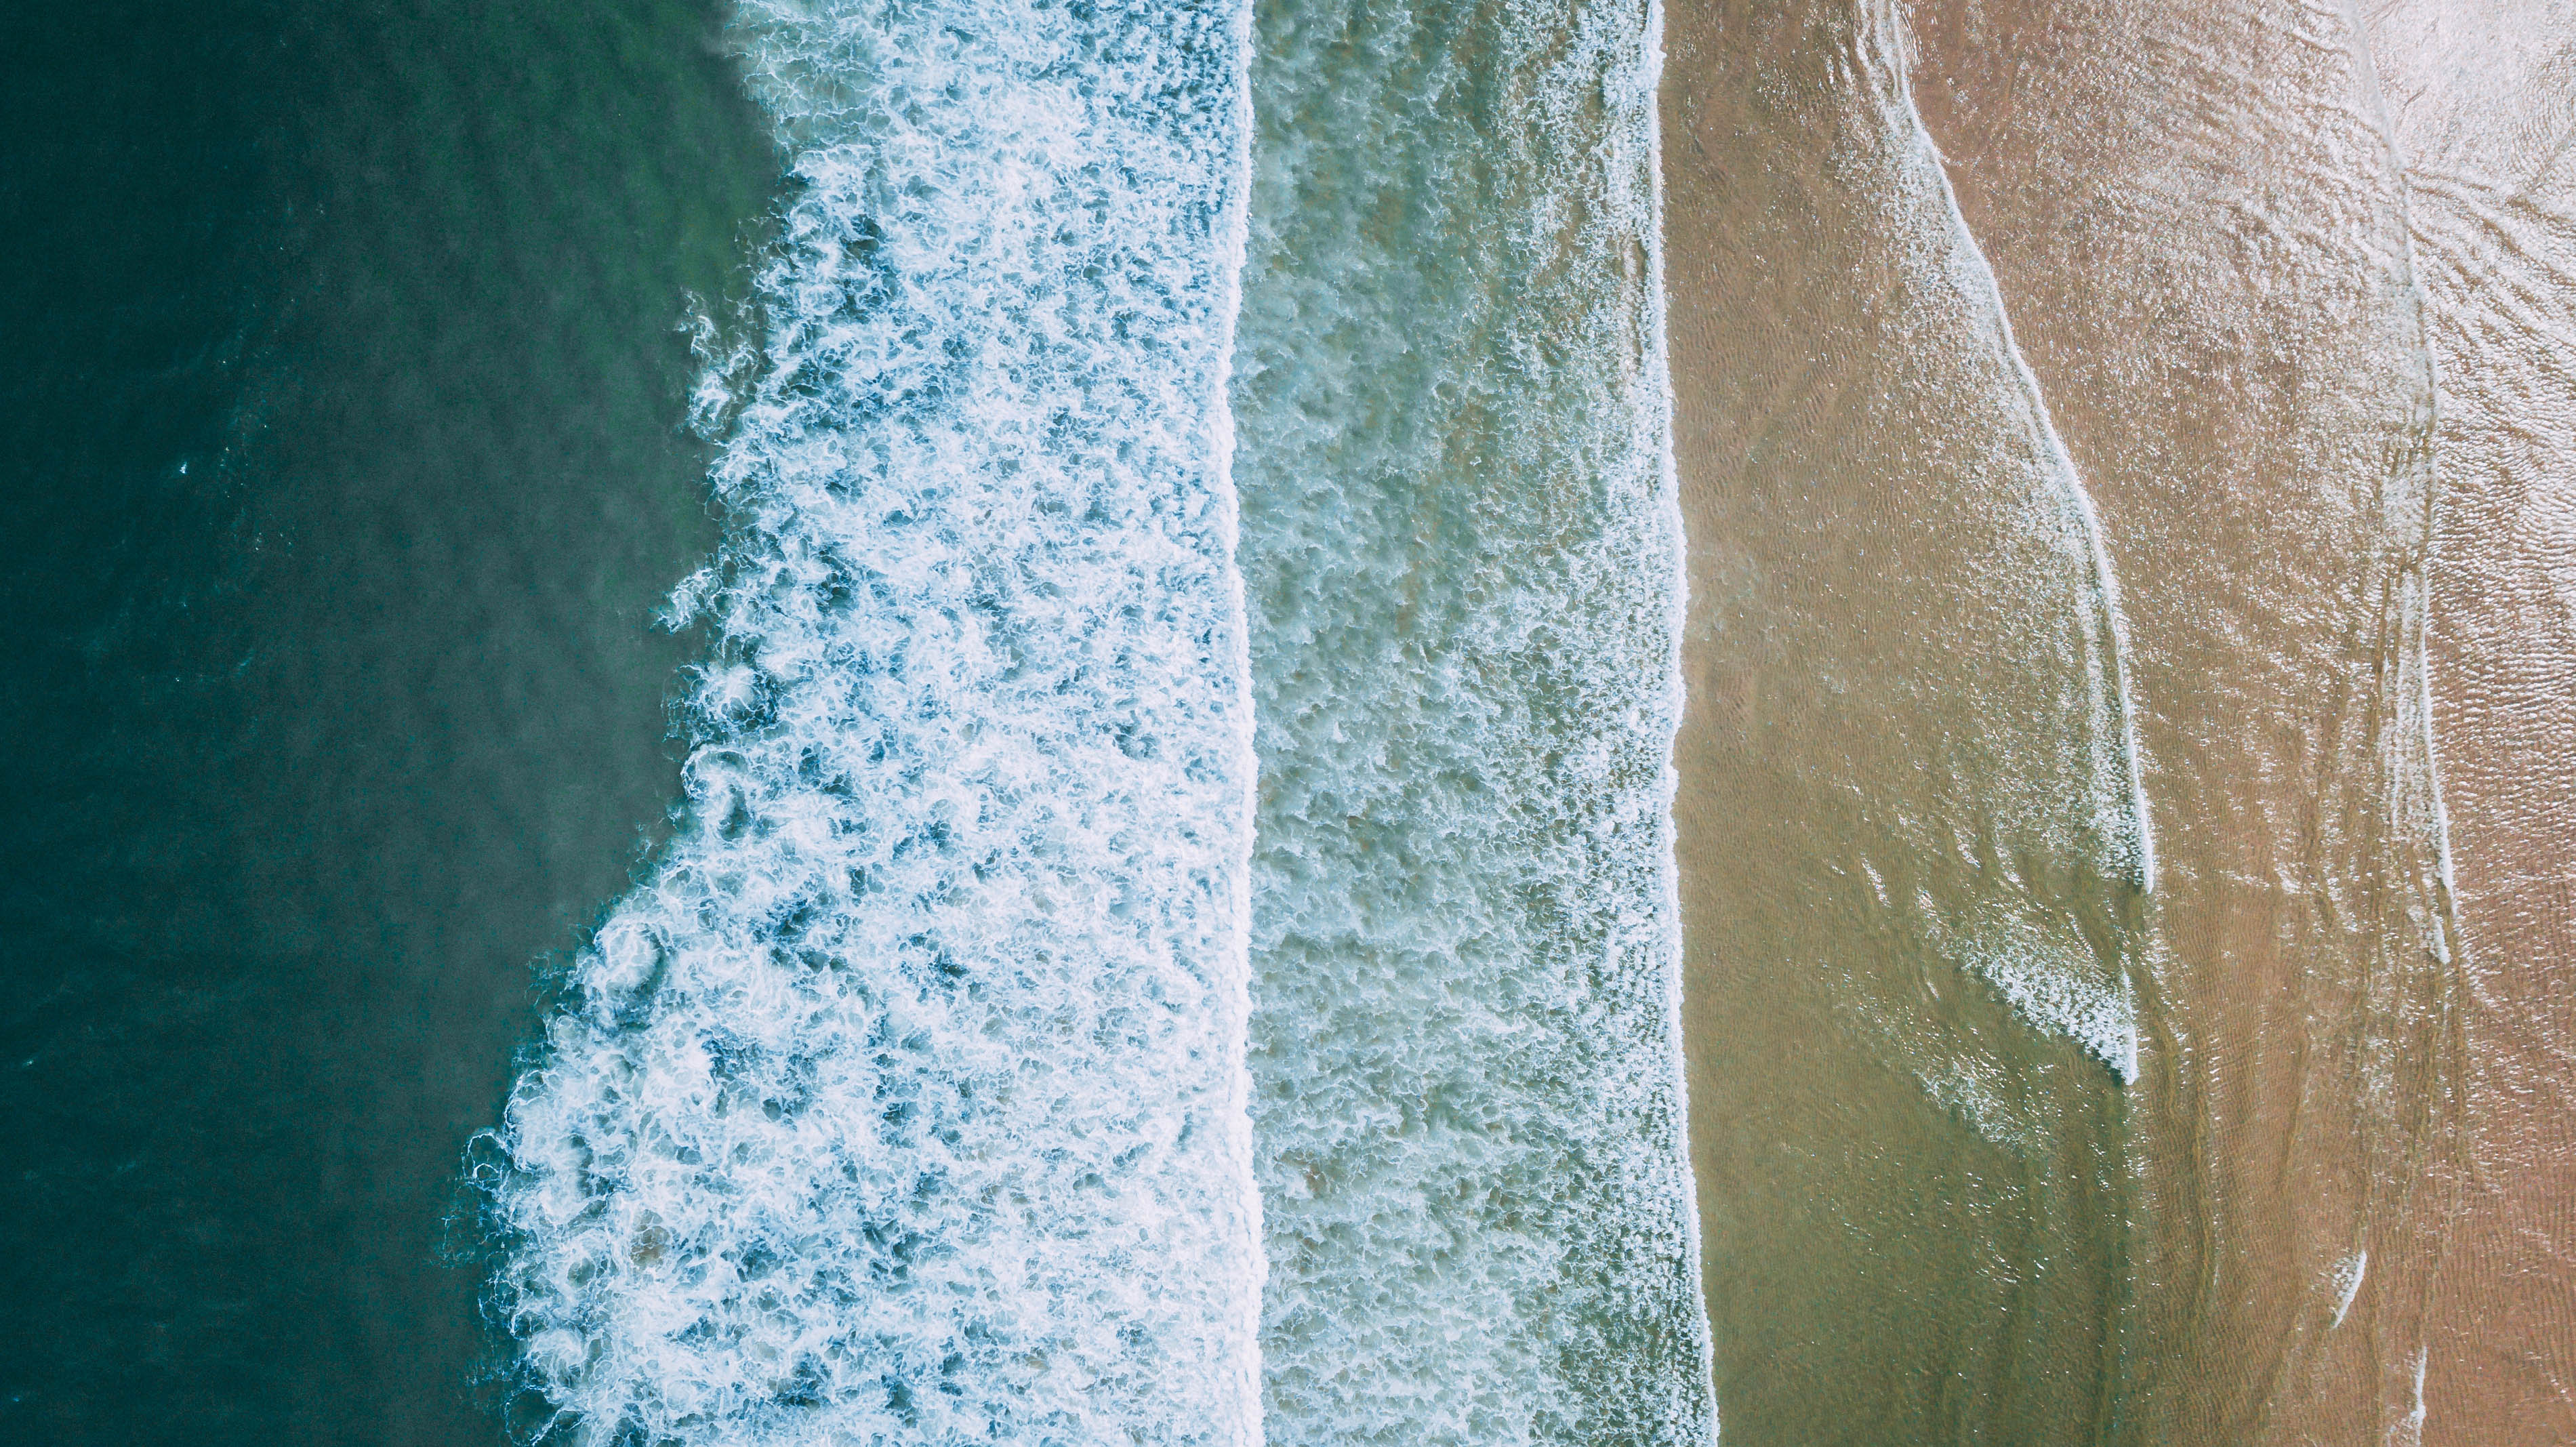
<point>1463,562</point>
<point>909,1095</point>
<point>1058,629</point>
<point>968,721</point>
<point>904,1101</point>
<point>355,479</point>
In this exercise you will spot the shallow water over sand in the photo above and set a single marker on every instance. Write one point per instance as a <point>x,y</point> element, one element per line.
<point>2480,98</point>
<point>2237,249</point>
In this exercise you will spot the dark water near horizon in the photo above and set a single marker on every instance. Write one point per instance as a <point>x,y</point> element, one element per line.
<point>344,471</point>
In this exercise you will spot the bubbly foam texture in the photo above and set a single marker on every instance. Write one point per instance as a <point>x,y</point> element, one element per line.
<point>2347,1284</point>
<point>2121,833</point>
<point>2057,985</point>
<point>1463,550</point>
<point>904,1100</point>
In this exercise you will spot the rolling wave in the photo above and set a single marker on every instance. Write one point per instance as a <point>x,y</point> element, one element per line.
<point>905,1097</point>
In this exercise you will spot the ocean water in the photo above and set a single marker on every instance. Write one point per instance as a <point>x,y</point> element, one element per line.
<point>905,1098</point>
<point>1463,560</point>
<point>342,479</point>
<point>1236,721</point>
<point>908,1085</point>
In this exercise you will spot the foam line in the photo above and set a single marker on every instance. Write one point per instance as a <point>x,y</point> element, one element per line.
<point>1659,345</point>
<point>904,1099</point>
<point>1463,543</point>
<point>2136,841</point>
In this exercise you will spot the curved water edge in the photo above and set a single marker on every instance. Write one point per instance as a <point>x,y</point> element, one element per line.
<point>2413,762</point>
<point>2489,227</point>
<point>908,1094</point>
<point>2204,228</point>
<point>905,1097</point>
<point>2013,956</point>
<point>1677,619</point>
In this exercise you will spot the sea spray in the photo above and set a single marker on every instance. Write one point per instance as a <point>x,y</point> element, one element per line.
<point>904,1098</point>
<point>1463,552</point>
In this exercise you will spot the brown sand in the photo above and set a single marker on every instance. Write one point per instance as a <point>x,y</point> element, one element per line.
<point>1911,1197</point>
<point>2195,219</point>
<point>2196,224</point>
<point>2484,95</point>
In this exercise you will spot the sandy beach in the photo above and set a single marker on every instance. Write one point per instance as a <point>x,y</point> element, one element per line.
<point>2196,225</point>
<point>2479,109</point>
<point>1912,1196</point>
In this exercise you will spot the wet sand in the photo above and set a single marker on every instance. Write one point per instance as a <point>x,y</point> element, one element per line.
<point>2482,100</point>
<point>1911,1195</point>
<point>2196,215</point>
<point>2196,225</point>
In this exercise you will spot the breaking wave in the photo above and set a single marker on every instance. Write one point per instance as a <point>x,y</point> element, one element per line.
<point>905,1097</point>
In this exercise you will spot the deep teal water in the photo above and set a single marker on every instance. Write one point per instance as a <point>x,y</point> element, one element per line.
<point>340,468</point>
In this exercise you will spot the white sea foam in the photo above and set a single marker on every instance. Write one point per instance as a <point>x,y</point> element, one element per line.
<point>2056,986</point>
<point>1463,546</point>
<point>2348,1285</point>
<point>904,1100</point>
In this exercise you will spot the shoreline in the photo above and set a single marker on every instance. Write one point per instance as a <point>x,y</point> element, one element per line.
<point>1858,1112</point>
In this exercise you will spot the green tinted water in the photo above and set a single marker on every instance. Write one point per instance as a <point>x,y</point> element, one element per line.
<point>342,472</point>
